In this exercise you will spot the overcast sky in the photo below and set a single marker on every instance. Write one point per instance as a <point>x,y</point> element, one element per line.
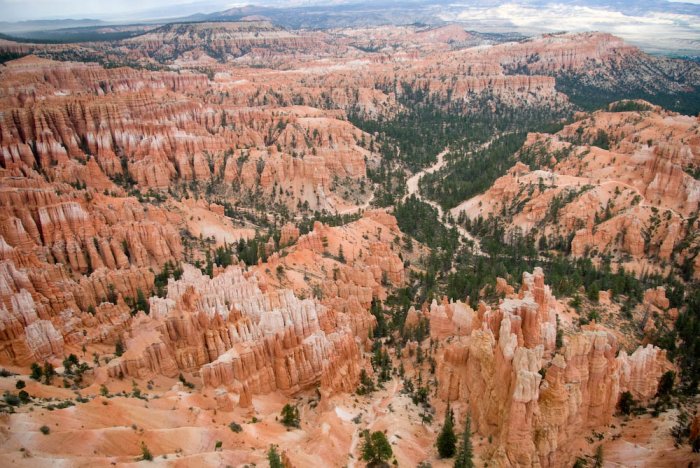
<point>17,10</point>
<point>118,10</point>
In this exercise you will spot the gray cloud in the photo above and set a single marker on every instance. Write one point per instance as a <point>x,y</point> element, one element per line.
<point>655,31</point>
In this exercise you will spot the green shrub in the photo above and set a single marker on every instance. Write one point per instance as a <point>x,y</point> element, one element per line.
<point>145,452</point>
<point>290,416</point>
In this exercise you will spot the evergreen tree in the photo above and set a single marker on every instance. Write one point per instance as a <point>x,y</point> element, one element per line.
<point>465,453</point>
<point>37,372</point>
<point>626,403</point>
<point>366,384</point>
<point>376,449</point>
<point>141,302</point>
<point>598,457</point>
<point>290,416</point>
<point>119,348</point>
<point>559,341</point>
<point>666,384</point>
<point>273,457</point>
<point>145,452</point>
<point>377,310</point>
<point>49,373</point>
<point>447,440</point>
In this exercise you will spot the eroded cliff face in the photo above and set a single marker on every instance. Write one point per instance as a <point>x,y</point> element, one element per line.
<point>239,337</point>
<point>256,331</point>
<point>207,43</point>
<point>616,183</point>
<point>533,399</point>
<point>101,129</point>
<point>86,155</point>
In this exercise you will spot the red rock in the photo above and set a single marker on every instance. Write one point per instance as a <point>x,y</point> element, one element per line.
<point>657,298</point>
<point>532,420</point>
<point>288,234</point>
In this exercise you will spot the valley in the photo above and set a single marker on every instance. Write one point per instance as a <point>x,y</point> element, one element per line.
<point>235,243</point>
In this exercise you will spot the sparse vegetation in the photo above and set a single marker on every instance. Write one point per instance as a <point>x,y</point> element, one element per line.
<point>447,440</point>
<point>375,448</point>
<point>465,453</point>
<point>290,416</point>
<point>146,454</point>
<point>273,457</point>
<point>626,403</point>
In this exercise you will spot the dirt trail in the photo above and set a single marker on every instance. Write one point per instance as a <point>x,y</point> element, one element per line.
<point>356,209</point>
<point>412,188</point>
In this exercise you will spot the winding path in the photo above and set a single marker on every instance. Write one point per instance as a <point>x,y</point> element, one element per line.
<point>412,188</point>
<point>356,209</point>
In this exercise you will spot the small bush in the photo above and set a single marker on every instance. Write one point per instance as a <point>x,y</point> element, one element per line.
<point>12,400</point>
<point>184,381</point>
<point>45,429</point>
<point>23,396</point>
<point>626,403</point>
<point>145,453</point>
<point>235,427</point>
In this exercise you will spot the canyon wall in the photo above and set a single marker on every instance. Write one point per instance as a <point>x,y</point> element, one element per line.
<point>532,398</point>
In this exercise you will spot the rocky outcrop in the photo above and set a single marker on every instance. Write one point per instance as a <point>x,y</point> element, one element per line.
<point>657,298</point>
<point>288,234</point>
<point>538,398</point>
<point>449,319</point>
<point>241,338</point>
<point>88,126</point>
<point>224,41</point>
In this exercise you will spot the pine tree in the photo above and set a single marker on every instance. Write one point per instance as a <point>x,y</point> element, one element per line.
<point>366,384</point>
<point>290,416</point>
<point>598,457</point>
<point>559,341</point>
<point>465,453</point>
<point>49,373</point>
<point>273,457</point>
<point>141,302</point>
<point>37,371</point>
<point>377,310</point>
<point>447,440</point>
<point>145,452</point>
<point>376,448</point>
<point>119,348</point>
